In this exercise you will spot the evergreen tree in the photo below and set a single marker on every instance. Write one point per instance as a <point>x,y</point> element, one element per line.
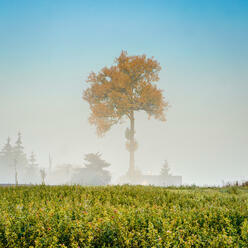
<point>95,162</point>
<point>31,172</point>
<point>19,154</point>
<point>94,172</point>
<point>7,151</point>
<point>7,164</point>
<point>95,166</point>
<point>165,170</point>
<point>32,160</point>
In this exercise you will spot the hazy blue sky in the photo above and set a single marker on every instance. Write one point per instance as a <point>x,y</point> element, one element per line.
<point>47,49</point>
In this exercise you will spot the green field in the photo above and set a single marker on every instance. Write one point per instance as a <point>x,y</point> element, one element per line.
<point>123,216</point>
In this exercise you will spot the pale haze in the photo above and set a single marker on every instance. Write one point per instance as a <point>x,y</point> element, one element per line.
<point>48,48</point>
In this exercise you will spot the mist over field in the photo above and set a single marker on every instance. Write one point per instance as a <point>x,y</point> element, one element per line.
<point>123,124</point>
<point>48,49</point>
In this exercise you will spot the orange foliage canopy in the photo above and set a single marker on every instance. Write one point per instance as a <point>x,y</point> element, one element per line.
<point>122,89</point>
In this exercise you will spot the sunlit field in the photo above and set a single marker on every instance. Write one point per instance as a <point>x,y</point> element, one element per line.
<point>123,216</point>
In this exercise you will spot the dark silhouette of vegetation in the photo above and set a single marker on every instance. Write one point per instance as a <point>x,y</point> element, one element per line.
<point>94,172</point>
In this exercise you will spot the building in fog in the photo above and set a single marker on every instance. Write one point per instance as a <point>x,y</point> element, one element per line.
<point>164,179</point>
<point>158,180</point>
<point>155,180</point>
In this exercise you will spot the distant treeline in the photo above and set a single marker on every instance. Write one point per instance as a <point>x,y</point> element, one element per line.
<point>16,168</point>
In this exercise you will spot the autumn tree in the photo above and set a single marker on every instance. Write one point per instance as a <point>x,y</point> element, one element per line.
<point>121,90</point>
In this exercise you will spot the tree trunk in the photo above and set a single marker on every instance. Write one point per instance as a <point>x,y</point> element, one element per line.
<point>132,147</point>
<point>16,176</point>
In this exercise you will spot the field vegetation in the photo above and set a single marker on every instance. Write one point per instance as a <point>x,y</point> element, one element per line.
<point>123,216</point>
